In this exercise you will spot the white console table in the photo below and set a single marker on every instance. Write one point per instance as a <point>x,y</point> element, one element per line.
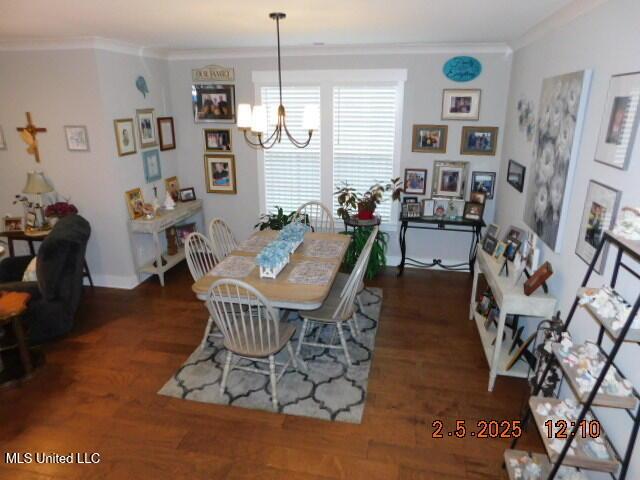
<point>163,220</point>
<point>511,300</point>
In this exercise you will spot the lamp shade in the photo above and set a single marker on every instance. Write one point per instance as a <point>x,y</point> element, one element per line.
<point>244,115</point>
<point>37,184</point>
<point>311,117</point>
<point>259,121</point>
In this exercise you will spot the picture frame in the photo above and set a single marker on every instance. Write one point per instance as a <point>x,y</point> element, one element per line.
<point>146,127</point>
<point>477,197</point>
<point>515,175</point>
<point>135,203</point>
<point>440,207</point>
<point>217,139</point>
<point>619,122</point>
<point>514,233</point>
<point>77,138</point>
<point>599,214</point>
<point>12,224</point>
<point>409,199</point>
<point>484,182</point>
<point>187,194</point>
<point>172,186</point>
<point>213,102</point>
<point>449,179</point>
<point>473,211</point>
<point>30,220</point>
<point>152,165</point>
<point>490,244</point>
<point>461,104</point>
<point>502,246</point>
<point>479,141</point>
<point>415,180</point>
<point>412,210</point>
<point>220,173</point>
<point>3,140</point>
<point>125,136</point>
<point>512,249</point>
<point>183,231</point>
<point>428,205</point>
<point>166,133</point>
<point>429,138</point>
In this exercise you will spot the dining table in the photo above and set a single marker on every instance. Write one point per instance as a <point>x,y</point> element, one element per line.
<point>303,284</point>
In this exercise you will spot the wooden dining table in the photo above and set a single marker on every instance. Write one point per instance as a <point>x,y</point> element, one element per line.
<point>289,290</point>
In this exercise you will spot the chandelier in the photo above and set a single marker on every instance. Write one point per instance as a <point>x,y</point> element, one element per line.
<point>255,120</point>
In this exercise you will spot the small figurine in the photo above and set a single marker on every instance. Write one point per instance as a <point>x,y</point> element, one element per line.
<point>169,203</point>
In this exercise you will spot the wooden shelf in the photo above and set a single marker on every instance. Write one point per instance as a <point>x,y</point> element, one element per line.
<point>632,336</point>
<point>172,260</point>
<point>601,399</point>
<point>580,458</point>
<point>519,370</point>
<point>540,458</point>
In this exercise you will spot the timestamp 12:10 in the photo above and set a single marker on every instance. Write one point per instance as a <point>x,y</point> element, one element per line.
<point>562,428</point>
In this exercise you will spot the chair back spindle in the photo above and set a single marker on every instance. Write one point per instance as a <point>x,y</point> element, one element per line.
<point>200,256</point>
<point>319,217</point>
<point>222,239</point>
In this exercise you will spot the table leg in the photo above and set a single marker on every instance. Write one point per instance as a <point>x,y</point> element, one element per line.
<point>86,272</point>
<point>403,246</point>
<point>474,291</point>
<point>12,251</point>
<point>25,356</point>
<point>158,249</point>
<point>473,249</point>
<point>497,349</point>
<point>32,249</point>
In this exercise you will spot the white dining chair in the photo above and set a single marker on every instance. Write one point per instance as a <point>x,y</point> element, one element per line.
<point>339,307</point>
<point>319,217</point>
<point>222,239</point>
<point>201,259</point>
<point>254,333</point>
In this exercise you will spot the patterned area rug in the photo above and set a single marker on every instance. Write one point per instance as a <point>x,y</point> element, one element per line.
<point>328,390</point>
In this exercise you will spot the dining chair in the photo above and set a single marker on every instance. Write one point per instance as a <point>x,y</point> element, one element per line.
<point>319,217</point>
<point>255,333</point>
<point>339,307</point>
<point>201,259</point>
<point>222,238</point>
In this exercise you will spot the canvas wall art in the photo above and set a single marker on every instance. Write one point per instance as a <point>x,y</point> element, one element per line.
<point>562,107</point>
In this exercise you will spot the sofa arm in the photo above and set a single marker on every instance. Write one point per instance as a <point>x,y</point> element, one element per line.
<point>27,287</point>
<point>12,268</point>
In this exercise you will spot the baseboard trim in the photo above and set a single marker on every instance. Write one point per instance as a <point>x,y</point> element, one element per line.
<point>115,281</point>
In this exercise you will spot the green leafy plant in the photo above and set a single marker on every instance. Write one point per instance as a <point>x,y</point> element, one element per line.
<point>378,258</point>
<point>277,221</point>
<point>350,200</point>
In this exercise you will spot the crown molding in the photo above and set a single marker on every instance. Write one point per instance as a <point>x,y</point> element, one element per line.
<point>82,43</point>
<point>556,20</point>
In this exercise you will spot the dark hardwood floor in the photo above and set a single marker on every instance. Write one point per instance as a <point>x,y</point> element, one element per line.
<point>97,393</point>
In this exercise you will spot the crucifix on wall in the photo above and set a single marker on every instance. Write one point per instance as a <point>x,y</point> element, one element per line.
<point>28,134</point>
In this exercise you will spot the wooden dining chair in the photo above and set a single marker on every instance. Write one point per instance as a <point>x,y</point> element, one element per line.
<point>254,333</point>
<point>222,239</point>
<point>201,259</point>
<point>339,307</point>
<point>319,217</point>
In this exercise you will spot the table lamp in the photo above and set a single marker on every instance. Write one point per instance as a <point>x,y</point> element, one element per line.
<point>36,184</point>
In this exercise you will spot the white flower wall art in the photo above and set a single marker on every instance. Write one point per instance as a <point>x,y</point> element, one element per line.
<point>562,107</point>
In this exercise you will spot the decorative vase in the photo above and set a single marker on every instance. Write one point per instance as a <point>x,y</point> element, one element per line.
<point>364,213</point>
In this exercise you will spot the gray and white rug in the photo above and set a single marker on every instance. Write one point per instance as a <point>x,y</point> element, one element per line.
<point>327,390</point>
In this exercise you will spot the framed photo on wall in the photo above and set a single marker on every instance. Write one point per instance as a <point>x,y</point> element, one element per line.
<point>217,139</point>
<point>214,103</point>
<point>479,141</point>
<point>620,121</point>
<point>483,182</point>
<point>220,172</point>
<point>515,175</point>
<point>152,167</point>
<point>146,127</point>
<point>598,215</point>
<point>167,133</point>
<point>429,138</point>
<point>415,180</point>
<point>77,138</point>
<point>460,104</point>
<point>449,179</point>
<point>125,136</point>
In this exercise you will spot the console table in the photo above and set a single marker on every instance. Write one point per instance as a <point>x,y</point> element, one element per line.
<point>163,220</point>
<point>459,224</point>
<point>511,300</point>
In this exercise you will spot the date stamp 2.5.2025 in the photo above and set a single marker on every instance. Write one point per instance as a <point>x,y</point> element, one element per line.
<point>478,429</point>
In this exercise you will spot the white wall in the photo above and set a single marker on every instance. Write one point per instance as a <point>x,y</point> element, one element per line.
<point>422,104</point>
<point>606,40</point>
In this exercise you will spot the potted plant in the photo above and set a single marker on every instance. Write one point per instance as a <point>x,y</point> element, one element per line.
<point>276,221</point>
<point>365,204</point>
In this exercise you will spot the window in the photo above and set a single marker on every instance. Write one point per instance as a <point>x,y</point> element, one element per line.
<point>360,122</point>
<point>292,175</point>
<point>364,125</point>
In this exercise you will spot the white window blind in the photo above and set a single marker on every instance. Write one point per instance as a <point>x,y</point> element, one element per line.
<point>364,127</point>
<point>291,175</point>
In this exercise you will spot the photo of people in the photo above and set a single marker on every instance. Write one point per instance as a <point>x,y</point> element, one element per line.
<point>479,140</point>
<point>449,181</point>
<point>595,229</point>
<point>217,139</point>
<point>617,120</point>
<point>430,138</point>
<point>483,182</point>
<point>214,103</point>
<point>221,173</point>
<point>125,138</point>
<point>415,180</point>
<point>146,128</point>
<point>135,203</point>
<point>461,104</point>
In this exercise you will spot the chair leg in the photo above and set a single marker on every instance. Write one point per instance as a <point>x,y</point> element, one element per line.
<point>272,374</point>
<point>359,300</point>
<point>207,332</point>
<point>292,354</point>
<point>354,319</point>
<point>344,343</point>
<point>225,373</point>
<point>301,337</point>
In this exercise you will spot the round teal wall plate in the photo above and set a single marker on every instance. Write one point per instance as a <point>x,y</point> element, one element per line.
<point>462,69</point>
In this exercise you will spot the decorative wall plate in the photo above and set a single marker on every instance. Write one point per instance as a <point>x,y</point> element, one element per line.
<point>462,69</point>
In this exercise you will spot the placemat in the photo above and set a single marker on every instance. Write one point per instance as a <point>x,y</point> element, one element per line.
<point>256,243</point>
<point>234,267</point>
<point>322,248</point>
<point>311,273</point>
